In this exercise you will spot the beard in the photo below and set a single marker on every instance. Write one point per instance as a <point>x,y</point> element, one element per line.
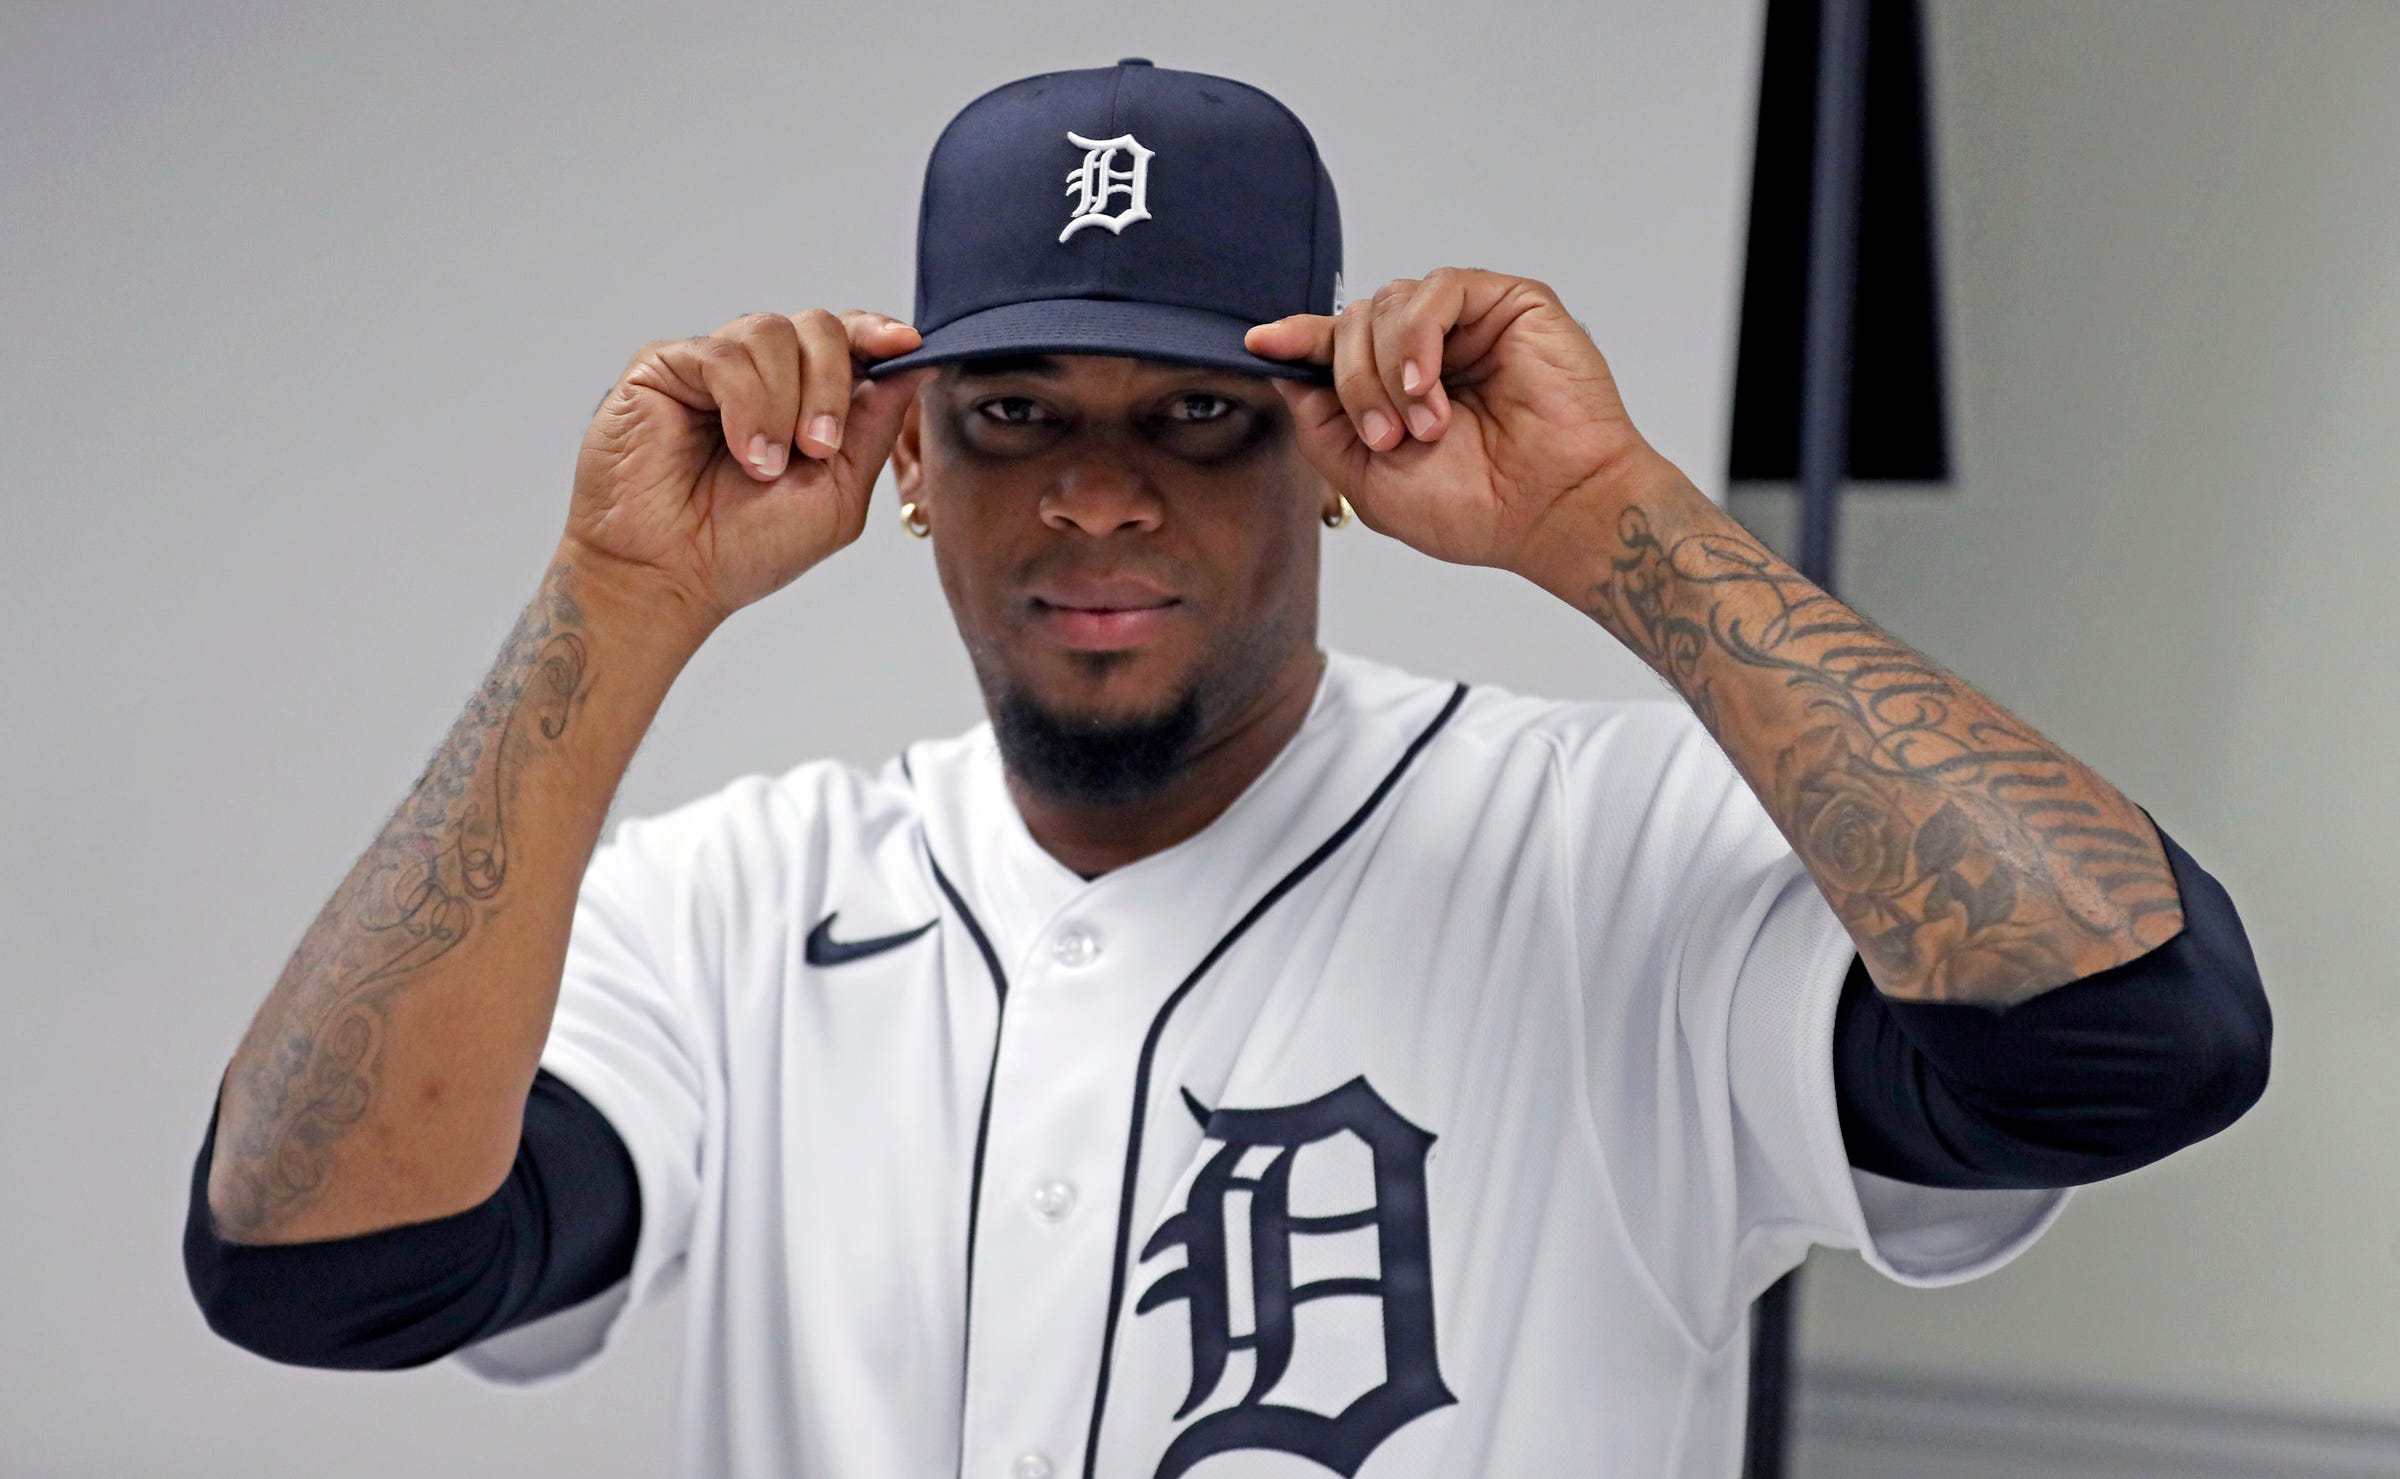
<point>1095,762</point>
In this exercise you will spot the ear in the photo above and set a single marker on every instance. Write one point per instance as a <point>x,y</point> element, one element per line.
<point>1316,493</point>
<point>908,451</point>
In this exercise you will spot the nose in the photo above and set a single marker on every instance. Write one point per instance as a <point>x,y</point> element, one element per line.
<point>1099,497</point>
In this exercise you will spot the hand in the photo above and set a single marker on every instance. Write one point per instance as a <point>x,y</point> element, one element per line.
<point>687,475</point>
<point>1467,410</point>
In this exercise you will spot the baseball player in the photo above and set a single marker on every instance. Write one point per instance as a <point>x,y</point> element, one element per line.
<point>1231,1058</point>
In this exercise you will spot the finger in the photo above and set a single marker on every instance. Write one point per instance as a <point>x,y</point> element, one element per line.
<point>1327,438</point>
<point>1359,383</point>
<point>1387,302</point>
<point>1409,345</point>
<point>876,336</point>
<point>1303,336</point>
<point>1400,356</point>
<point>757,429</point>
<point>1482,306</point>
<point>774,349</point>
<point>825,378</point>
<point>1438,399</point>
<point>767,338</point>
<point>670,367</point>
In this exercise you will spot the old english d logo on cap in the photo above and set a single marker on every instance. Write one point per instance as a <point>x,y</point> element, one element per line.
<point>1099,177</point>
<point>1131,210</point>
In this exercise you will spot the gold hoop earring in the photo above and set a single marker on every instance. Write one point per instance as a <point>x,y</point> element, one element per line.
<point>1339,517</point>
<point>913,520</point>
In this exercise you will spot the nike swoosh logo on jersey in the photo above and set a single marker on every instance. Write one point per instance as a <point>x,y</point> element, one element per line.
<point>824,949</point>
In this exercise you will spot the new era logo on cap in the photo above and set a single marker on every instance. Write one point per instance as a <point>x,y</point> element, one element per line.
<point>1193,207</point>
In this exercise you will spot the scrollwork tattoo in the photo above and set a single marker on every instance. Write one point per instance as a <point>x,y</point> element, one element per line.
<point>439,865</point>
<point>1971,858</point>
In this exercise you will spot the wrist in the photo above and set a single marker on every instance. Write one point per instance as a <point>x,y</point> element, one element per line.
<point>1578,541</point>
<point>638,603</point>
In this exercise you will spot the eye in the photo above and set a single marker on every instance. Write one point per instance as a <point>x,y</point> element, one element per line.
<point>1013,410</point>
<point>1201,406</point>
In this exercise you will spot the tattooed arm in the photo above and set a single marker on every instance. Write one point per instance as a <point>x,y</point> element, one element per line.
<point>384,1079</point>
<point>1972,859</point>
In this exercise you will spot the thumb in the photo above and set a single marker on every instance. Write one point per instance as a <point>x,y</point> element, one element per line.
<point>1327,436</point>
<point>877,408</point>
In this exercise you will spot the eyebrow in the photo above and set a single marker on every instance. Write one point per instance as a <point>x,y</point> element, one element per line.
<point>1040,366</point>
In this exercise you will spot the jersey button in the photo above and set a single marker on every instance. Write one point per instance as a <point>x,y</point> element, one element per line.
<point>1076,945</point>
<point>1032,1466</point>
<point>1054,1200</point>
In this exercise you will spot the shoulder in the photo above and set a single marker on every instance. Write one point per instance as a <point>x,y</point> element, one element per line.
<point>765,832</point>
<point>1624,746</point>
<point>1636,787</point>
<point>760,805</point>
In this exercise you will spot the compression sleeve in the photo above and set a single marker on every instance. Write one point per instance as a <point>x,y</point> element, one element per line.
<point>2086,1081</point>
<point>560,1230</point>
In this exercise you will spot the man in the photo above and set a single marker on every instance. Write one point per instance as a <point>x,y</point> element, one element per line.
<point>1232,1056</point>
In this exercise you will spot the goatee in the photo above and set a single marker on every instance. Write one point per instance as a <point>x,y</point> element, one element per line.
<point>1095,761</point>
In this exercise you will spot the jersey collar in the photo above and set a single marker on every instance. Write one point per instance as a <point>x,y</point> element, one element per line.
<point>1361,717</point>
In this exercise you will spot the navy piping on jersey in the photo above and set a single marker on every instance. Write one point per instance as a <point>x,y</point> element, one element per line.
<point>983,1118</point>
<point>1158,1024</point>
<point>983,1126</point>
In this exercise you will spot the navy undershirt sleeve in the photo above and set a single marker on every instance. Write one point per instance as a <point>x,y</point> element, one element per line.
<point>560,1230</point>
<point>2086,1081</point>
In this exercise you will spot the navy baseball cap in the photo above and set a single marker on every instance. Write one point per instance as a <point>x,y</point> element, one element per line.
<point>1129,210</point>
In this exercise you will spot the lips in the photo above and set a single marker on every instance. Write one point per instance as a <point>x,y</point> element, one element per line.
<point>1102,613</point>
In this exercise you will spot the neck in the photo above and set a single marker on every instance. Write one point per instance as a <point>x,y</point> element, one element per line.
<point>1092,839</point>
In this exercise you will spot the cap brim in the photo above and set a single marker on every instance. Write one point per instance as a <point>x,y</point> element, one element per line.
<point>1160,331</point>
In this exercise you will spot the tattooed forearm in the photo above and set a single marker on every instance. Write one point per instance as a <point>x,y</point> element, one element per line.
<point>1971,858</point>
<point>309,1071</point>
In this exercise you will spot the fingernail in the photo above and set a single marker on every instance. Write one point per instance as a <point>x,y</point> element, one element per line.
<point>1410,378</point>
<point>826,432</point>
<point>766,456</point>
<point>1420,421</point>
<point>1375,425</point>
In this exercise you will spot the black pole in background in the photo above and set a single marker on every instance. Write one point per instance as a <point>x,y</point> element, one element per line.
<point>1828,315</point>
<point>1830,309</point>
<point>1770,1370</point>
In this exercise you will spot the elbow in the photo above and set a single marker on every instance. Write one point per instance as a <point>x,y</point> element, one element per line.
<point>2198,1068</point>
<point>336,1305</point>
<point>2211,1065</point>
<point>2229,1047</point>
<point>257,1298</point>
<point>2226,1034</point>
<point>373,1302</point>
<point>2231,1032</point>
<point>2220,1052</point>
<point>264,1297</point>
<point>265,1319</point>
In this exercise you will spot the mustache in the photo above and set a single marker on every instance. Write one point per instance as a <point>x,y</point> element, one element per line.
<point>1066,564</point>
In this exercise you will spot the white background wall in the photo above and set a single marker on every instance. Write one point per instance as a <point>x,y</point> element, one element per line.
<point>305,309</point>
<point>2173,233</point>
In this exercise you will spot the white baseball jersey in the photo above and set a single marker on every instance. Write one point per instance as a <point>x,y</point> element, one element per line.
<point>1437,1110</point>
